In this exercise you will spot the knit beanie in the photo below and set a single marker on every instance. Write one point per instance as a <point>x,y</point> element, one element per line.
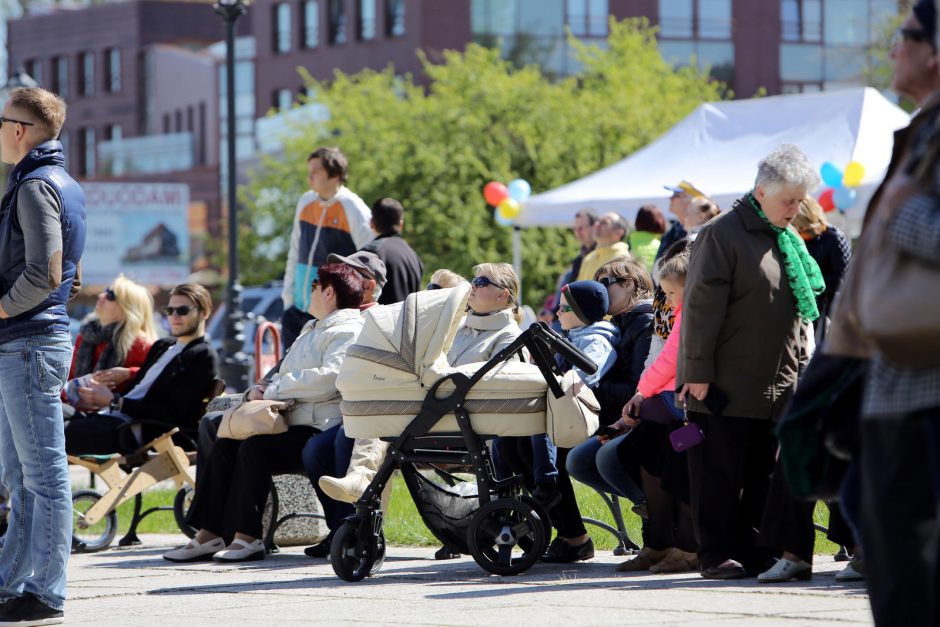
<point>588,300</point>
<point>926,13</point>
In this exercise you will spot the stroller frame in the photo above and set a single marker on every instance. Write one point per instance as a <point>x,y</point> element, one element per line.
<point>505,518</point>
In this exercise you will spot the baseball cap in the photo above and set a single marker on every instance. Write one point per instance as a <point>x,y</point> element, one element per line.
<point>684,187</point>
<point>367,263</point>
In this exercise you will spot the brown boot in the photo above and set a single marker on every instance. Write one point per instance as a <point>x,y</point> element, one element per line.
<point>646,558</point>
<point>677,561</point>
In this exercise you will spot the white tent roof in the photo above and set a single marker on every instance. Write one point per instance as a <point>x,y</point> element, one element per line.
<point>717,148</point>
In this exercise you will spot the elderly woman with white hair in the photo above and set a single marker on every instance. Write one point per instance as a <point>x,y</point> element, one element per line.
<point>750,300</point>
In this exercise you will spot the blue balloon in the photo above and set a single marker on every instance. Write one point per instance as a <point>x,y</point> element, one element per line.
<point>831,175</point>
<point>500,220</point>
<point>519,190</point>
<point>844,197</point>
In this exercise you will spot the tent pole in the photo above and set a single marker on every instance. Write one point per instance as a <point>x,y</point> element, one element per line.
<point>517,256</point>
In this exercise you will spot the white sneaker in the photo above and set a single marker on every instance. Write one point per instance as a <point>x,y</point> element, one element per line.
<point>852,572</point>
<point>785,570</point>
<point>241,551</point>
<point>195,551</point>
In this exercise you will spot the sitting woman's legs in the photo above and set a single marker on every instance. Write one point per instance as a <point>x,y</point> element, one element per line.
<point>614,474</point>
<point>582,465</point>
<point>207,512</point>
<point>93,434</point>
<point>328,454</point>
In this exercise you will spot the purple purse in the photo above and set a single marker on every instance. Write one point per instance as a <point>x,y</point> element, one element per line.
<point>686,436</point>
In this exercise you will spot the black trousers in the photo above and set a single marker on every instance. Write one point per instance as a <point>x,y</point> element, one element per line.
<point>670,517</point>
<point>208,434</point>
<point>231,494</point>
<point>900,528</point>
<point>102,434</point>
<point>730,476</point>
<point>516,453</point>
<point>787,524</point>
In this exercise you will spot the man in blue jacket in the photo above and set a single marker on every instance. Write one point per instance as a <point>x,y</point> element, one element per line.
<point>42,235</point>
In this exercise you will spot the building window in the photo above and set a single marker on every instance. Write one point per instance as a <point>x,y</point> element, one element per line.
<point>86,73</point>
<point>64,140</point>
<point>112,70</point>
<point>166,123</point>
<point>310,30</point>
<point>493,17</point>
<point>282,27</point>
<point>33,67</point>
<point>60,76</point>
<point>178,120</point>
<point>801,20</point>
<point>695,19</point>
<point>337,21</point>
<point>366,28</point>
<point>114,133</point>
<point>587,17</point>
<point>86,147</point>
<point>282,99</point>
<point>201,141</point>
<point>395,18</point>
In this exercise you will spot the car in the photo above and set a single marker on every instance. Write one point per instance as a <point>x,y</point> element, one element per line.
<point>259,304</point>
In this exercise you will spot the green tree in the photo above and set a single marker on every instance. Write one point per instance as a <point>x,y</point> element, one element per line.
<point>478,119</point>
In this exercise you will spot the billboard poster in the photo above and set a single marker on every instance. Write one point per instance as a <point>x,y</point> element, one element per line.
<point>139,229</point>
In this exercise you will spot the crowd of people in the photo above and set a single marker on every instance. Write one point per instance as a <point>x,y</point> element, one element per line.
<point>701,329</point>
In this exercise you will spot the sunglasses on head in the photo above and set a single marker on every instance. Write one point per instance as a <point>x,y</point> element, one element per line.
<point>482,281</point>
<point>433,286</point>
<point>607,281</point>
<point>181,311</point>
<point>109,294</point>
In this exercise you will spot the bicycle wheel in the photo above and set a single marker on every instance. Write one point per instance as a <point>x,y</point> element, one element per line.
<point>88,538</point>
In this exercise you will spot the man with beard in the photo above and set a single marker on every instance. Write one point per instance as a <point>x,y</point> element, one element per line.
<point>170,387</point>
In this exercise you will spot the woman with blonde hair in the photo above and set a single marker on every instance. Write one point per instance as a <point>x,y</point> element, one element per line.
<point>113,341</point>
<point>827,245</point>
<point>493,315</point>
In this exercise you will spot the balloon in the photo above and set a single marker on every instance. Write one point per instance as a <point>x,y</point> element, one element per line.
<point>500,220</point>
<point>495,192</point>
<point>520,190</point>
<point>508,209</point>
<point>844,197</point>
<point>831,175</point>
<point>854,172</point>
<point>825,200</point>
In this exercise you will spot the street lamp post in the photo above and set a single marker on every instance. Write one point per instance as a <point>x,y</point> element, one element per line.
<point>234,362</point>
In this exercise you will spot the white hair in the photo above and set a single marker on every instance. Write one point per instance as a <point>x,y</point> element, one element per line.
<point>786,166</point>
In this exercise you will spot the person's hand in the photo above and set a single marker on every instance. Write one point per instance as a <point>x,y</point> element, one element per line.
<point>256,393</point>
<point>697,390</point>
<point>632,408</point>
<point>112,377</point>
<point>96,395</point>
<point>618,428</point>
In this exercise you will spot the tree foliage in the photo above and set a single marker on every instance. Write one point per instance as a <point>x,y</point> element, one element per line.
<point>477,119</point>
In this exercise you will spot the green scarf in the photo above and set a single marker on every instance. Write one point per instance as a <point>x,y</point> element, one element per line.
<point>806,280</point>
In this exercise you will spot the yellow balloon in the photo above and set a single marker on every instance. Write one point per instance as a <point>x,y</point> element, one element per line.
<point>854,173</point>
<point>508,209</point>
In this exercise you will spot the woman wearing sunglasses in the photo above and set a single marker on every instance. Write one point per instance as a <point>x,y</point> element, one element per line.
<point>113,341</point>
<point>493,315</point>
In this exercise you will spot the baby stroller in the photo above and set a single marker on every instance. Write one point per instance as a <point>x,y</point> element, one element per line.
<point>434,415</point>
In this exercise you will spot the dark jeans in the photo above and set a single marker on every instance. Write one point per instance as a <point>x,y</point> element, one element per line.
<point>598,466</point>
<point>231,495</point>
<point>787,524</point>
<point>900,530</point>
<point>327,454</point>
<point>730,475</point>
<point>292,321</point>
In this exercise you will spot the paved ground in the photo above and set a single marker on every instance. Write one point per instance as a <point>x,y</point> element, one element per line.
<point>136,587</point>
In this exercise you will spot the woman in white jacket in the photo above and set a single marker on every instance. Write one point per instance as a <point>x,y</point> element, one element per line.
<point>235,485</point>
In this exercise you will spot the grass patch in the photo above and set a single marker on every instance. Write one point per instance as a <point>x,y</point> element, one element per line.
<point>404,527</point>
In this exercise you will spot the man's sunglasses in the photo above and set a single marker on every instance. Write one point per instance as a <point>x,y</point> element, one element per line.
<point>482,281</point>
<point>181,311</point>
<point>12,121</point>
<point>607,281</point>
<point>110,295</point>
<point>911,34</point>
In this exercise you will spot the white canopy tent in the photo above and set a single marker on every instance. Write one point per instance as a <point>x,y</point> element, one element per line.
<point>717,148</point>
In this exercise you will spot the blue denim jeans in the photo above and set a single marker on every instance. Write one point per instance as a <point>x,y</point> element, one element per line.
<point>33,467</point>
<point>598,466</point>
<point>544,456</point>
<point>328,454</point>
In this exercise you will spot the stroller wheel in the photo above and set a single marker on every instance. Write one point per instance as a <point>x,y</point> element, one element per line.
<point>507,536</point>
<point>352,560</point>
<point>526,541</point>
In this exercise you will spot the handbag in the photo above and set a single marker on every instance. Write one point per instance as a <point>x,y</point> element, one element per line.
<point>251,418</point>
<point>571,419</point>
<point>686,436</point>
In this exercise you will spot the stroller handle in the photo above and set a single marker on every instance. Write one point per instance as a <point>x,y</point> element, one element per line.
<point>567,350</point>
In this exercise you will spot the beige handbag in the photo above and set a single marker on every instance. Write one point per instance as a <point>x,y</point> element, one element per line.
<point>254,418</point>
<point>570,420</point>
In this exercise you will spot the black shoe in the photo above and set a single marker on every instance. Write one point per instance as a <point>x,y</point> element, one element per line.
<point>728,569</point>
<point>560,552</point>
<point>29,610</point>
<point>446,553</point>
<point>547,494</point>
<point>320,550</point>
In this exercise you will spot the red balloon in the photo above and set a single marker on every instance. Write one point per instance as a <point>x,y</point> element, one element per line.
<point>826,201</point>
<point>495,193</point>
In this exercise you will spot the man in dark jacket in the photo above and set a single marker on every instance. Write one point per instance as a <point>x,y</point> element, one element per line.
<point>42,236</point>
<point>170,387</point>
<point>403,267</point>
